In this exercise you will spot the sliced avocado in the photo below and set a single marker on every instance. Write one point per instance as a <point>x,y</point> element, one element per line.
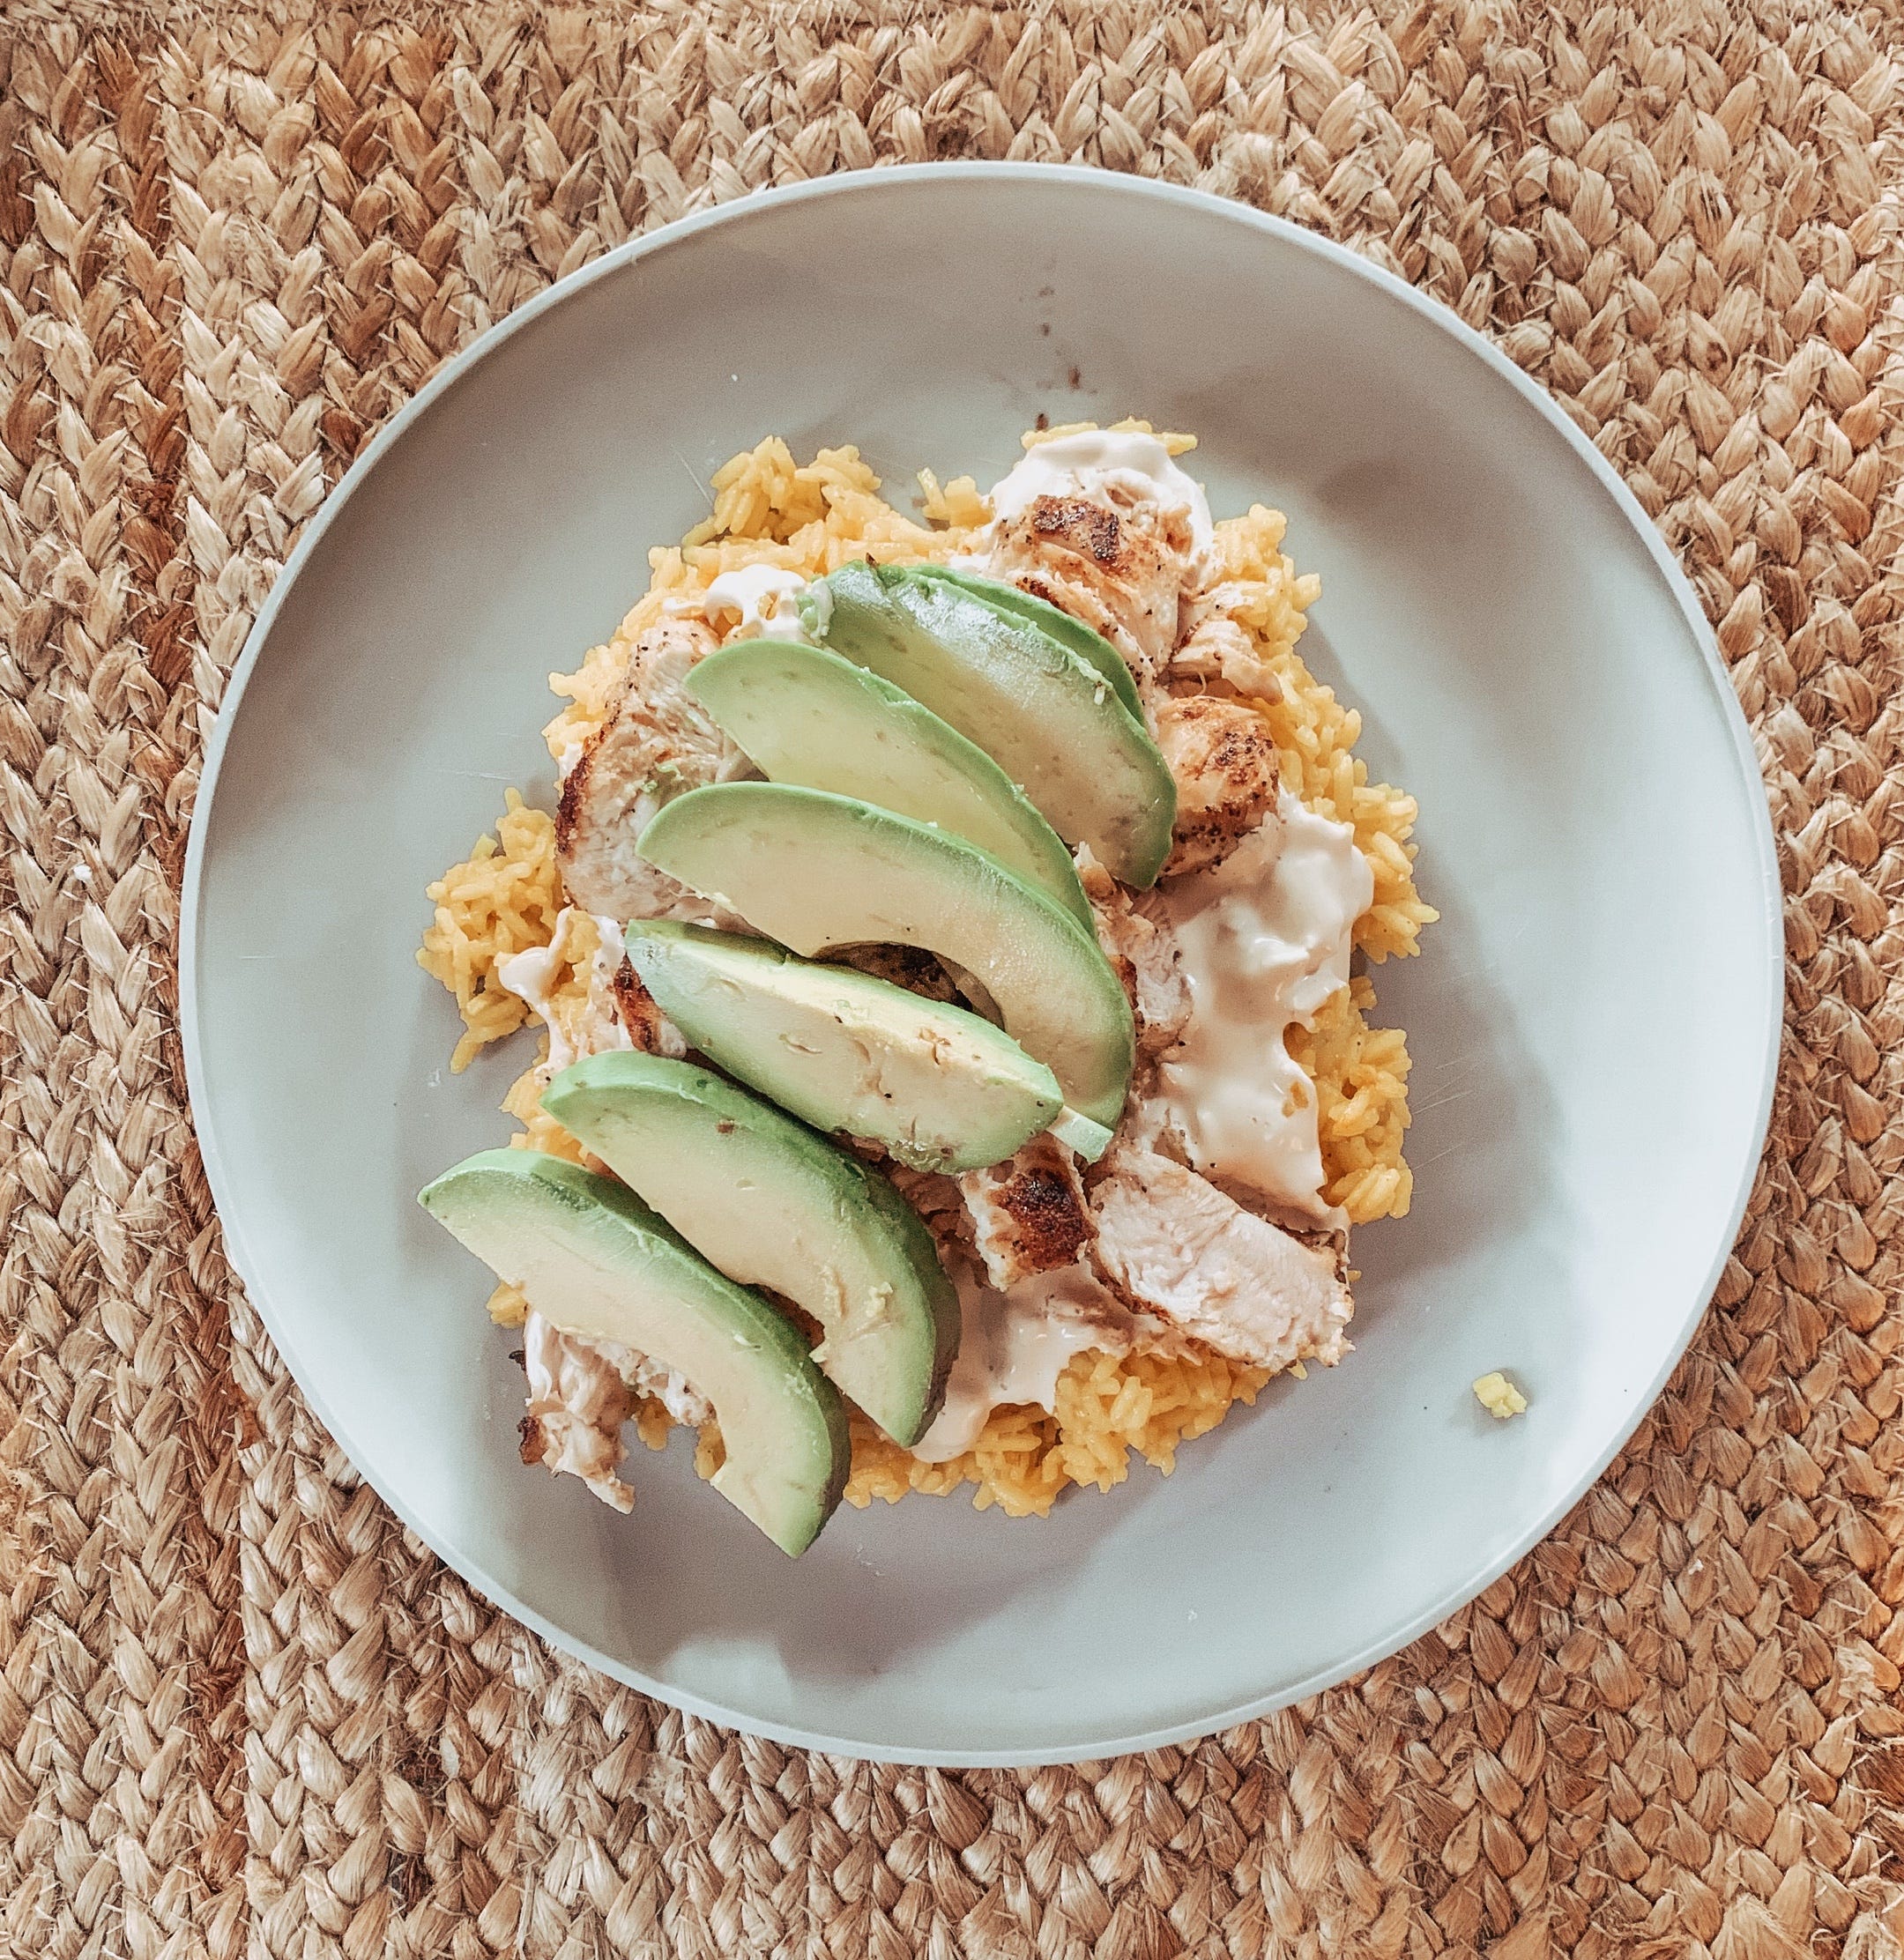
<point>937,1086</point>
<point>1043,714</point>
<point>816,871</point>
<point>805,716</point>
<point>1088,1139</point>
<point>1087,644</point>
<point>773,1205</point>
<point>594,1261</point>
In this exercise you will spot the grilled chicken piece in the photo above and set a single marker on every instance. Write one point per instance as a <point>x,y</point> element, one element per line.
<point>1224,759</point>
<point>649,1029</point>
<point>1175,1246</point>
<point>577,1403</point>
<point>1114,559</point>
<point>657,743</point>
<point>1028,1213</point>
<point>659,1383</point>
<point>1141,948</point>
<point>1214,647</point>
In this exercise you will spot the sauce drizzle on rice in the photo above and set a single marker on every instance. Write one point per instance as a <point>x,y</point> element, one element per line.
<point>804,520</point>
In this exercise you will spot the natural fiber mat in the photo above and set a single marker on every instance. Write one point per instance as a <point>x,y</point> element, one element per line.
<point>240,1713</point>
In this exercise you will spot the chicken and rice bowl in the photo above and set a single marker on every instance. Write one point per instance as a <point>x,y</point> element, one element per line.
<point>1176,806</point>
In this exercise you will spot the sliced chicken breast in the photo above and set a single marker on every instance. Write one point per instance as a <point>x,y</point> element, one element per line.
<point>649,1029</point>
<point>1224,759</point>
<point>581,1393</point>
<point>1175,1246</point>
<point>577,1403</point>
<point>1215,650</point>
<point>1115,560</point>
<point>657,743</point>
<point>1141,948</point>
<point>1028,1213</point>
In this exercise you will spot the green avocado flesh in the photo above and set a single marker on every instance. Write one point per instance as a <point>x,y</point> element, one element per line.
<point>806,717</point>
<point>596,1263</point>
<point>818,872</point>
<point>1053,619</point>
<point>773,1205</point>
<point>1044,715</point>
<point>938,1088</point>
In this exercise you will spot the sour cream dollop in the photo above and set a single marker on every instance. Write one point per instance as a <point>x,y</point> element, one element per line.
<point>1091,462</point>
<point>759,600</point>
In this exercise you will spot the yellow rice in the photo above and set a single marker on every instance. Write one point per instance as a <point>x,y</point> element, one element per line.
<point>811,519</point>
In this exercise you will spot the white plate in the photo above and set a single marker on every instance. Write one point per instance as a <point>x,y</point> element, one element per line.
<point>1593,1024</point>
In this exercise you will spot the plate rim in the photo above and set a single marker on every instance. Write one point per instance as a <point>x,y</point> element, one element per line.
<point>847,184</point>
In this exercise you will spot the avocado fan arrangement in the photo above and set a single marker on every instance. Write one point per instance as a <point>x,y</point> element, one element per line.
<point>926,764</point>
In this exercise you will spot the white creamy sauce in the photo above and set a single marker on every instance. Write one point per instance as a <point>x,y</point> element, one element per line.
<point>531,978</point>
<point>1095,460</point>
<point>608,947</point>
<point>823,606</point>
<point>1015,1346</point>
<point>606,963</point>
<point>1264,942</point>
<point>589,1027</point>
<point>757,601</point>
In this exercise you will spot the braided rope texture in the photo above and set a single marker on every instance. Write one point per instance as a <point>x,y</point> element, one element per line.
<point>242,1712</point>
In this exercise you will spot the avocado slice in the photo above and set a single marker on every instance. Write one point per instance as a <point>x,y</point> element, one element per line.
<point>1082,640</point>
<point>805,715</point>
<point>593,1259</point>
<point>773,1205</point>
<point>938,1088</point>
<point>817,870</point>
<point>1043,714</point>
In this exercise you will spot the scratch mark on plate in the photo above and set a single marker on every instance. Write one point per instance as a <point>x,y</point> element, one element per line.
<point>693,477</point>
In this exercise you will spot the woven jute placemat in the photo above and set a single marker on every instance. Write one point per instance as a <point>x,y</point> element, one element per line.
<point>240,1712</point>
